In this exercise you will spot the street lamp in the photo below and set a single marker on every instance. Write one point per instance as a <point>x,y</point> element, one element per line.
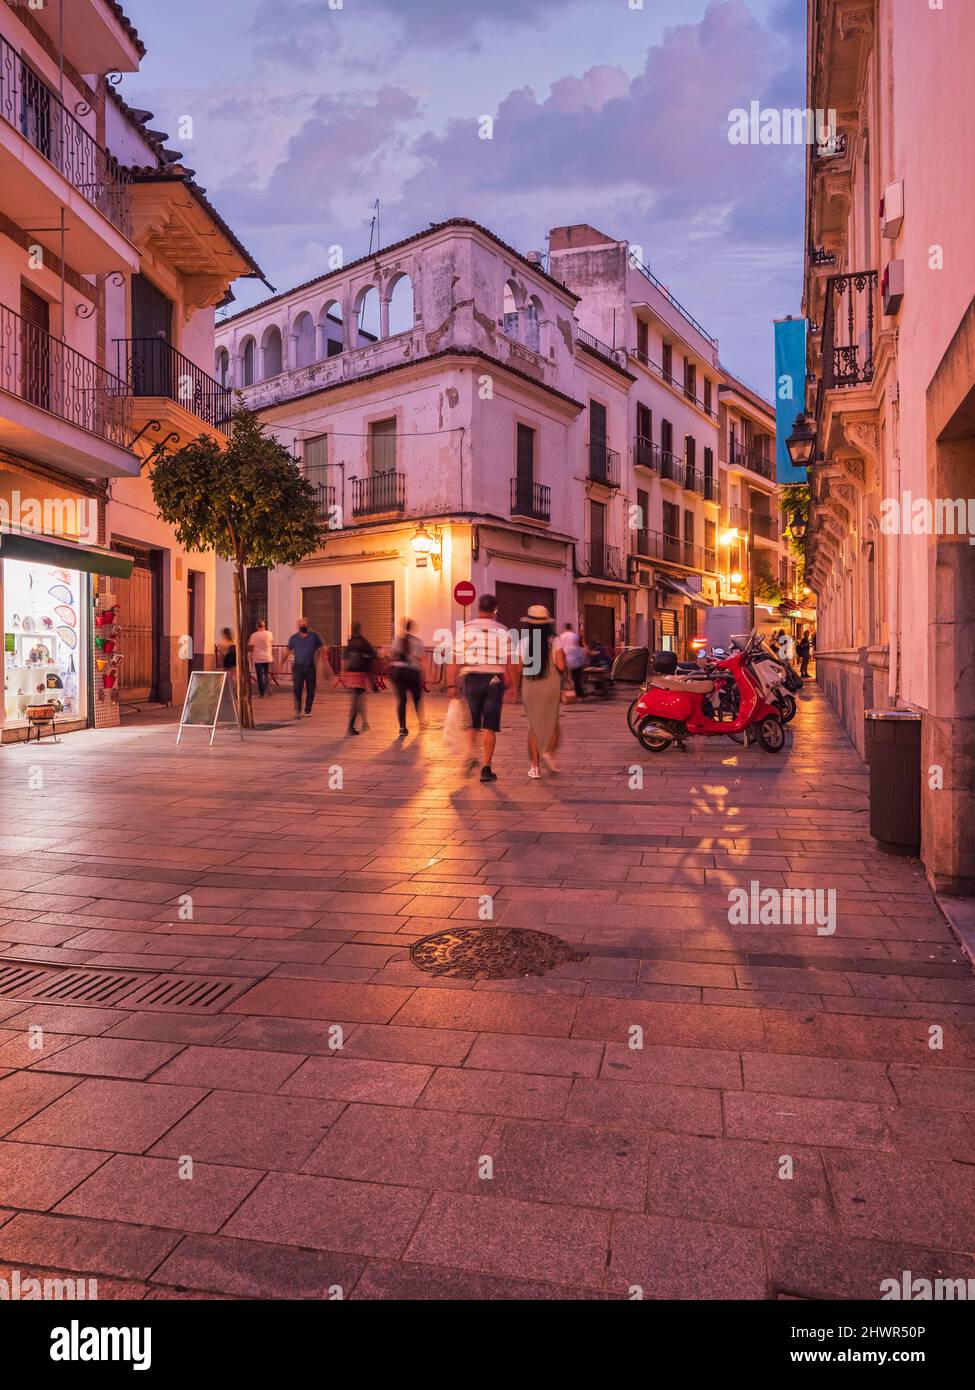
<point>801,443</point>
<point>797,527</point>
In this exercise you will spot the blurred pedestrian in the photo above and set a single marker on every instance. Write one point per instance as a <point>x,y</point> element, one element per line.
<point>538,678</point>
<point>261,649</point>
<point>227,650</point>
<point>406,673</point>
<point>803,647</point>
<point>304,646</point>
<point>359,655</point>
<point>574,653</point>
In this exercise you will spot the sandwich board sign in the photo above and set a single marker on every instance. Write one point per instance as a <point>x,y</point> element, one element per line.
<point>209,702</point>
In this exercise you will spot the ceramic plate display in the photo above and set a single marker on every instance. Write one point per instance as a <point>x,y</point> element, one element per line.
<point>63,575</point>
<point>28,623</point>
<point>62,593</point>
<point>65,614</point>
<point>68,636</point>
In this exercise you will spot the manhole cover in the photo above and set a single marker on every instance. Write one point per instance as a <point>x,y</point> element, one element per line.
<point>491,953</point>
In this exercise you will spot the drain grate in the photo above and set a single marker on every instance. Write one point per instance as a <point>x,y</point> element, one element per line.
<point>186,993</point>
<point>85,987</point>
<point>491,953</point>
<point>15,979</point>
<point>131,989</point>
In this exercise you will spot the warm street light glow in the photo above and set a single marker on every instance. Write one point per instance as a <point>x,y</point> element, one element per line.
<point>423,543</point>
<point>727,537</point>
<point>735,578</point>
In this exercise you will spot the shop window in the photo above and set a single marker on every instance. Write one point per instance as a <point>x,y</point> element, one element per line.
<point>45,638</point>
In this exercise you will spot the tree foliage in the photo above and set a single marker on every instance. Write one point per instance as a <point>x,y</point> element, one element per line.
<point>248,502</point>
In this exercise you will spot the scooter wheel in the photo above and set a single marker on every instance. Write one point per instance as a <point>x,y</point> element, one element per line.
<point>788,708</point>
<point>654,734</point>
<point>632,718</point>
<point>771,734</point>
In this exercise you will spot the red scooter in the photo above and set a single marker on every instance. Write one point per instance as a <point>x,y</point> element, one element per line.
<point>675,705</point>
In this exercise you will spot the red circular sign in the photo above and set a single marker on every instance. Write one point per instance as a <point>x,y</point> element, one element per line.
<point>464,593</point>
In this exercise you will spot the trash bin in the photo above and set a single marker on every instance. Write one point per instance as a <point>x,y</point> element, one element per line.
<point>893,744</point>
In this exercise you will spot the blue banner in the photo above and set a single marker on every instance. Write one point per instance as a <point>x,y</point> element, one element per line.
<point>790,392</point>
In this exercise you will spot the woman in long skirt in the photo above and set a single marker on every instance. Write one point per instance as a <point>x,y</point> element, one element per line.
<point>539,679</point>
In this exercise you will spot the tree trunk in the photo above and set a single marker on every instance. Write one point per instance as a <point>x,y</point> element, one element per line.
<point>244,708</point>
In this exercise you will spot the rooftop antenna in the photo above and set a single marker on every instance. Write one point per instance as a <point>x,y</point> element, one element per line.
<point>374,226</point>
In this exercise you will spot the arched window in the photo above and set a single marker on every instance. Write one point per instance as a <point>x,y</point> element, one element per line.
<point>271,352</point>
<point>223,366</point>
<point>247,354</point>
<point>367,316</point>
<point>303,333</point>
<point>401,308</point>
<point>330,329</point>
<point>509,309</point>
<point>532,316</point>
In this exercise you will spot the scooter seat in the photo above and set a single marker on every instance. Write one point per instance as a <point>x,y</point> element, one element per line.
<point>689,684</point>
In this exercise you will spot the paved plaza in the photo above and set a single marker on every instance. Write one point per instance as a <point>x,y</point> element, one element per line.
<point>799,1120</point>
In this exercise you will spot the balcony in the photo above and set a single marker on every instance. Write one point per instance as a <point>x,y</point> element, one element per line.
<point>604,562</point>
<point>763,523</point>
<point>324,492</point>
<point>531,499</point>
<point>849,332</point>
<point>604,465</point>
<point>670,379</point>
<point>378,493</point>
<point>741,456</point>
<point>646,454</point>
<point>60,407</point>
<point>692,479</point>
<point>671,466</point>
<point>709,487</point>
<point>655,545</point>
<point>49,162</point>
<point>157,372</point>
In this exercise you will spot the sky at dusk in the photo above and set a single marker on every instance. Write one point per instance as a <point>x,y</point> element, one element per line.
<point>303,115</point>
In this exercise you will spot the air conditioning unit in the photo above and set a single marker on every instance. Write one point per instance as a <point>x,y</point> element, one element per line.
<point>892,210</point>
<point>892,287</point>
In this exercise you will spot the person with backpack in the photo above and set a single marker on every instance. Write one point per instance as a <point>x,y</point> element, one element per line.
<point>406,673</point>
<point>359,655</point>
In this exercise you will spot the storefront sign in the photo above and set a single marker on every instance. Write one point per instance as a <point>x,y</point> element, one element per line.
<point>209,702</point>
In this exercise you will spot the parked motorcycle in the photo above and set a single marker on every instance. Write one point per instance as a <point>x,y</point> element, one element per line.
<point>726,698</point>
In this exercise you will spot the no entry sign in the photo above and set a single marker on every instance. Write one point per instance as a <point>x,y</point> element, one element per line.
<point>464,593</point>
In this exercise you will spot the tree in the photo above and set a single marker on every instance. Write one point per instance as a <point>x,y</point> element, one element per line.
<point>794,499</point>
<point>248,503</point>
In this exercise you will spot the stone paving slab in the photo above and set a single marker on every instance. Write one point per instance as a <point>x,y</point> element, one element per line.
<point>697,1108</point>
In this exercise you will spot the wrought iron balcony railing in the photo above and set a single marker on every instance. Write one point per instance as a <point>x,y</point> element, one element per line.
<point>709,487</point>
<point>848,332</point>
<point>379,492</point>
<point>32,108</point>
<point>324,491</point>
<point>47,373</point>
<point>531,499</point>
<point>153,367</point>
<point>646,454</point>
<point>671,466</point>
<point>740,456</point>
<point>603,561</point>
<point>655,545</point>
<point>693,479</point>
<point>763,524</point>
<point>604,465</point>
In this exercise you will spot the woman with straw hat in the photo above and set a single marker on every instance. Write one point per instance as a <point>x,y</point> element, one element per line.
<point>539,679</point>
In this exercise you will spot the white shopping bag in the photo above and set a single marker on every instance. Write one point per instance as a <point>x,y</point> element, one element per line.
<point>455,727</point>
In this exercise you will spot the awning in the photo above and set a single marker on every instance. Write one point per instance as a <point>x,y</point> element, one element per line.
<point>677,586</point>
<point>45,550</point>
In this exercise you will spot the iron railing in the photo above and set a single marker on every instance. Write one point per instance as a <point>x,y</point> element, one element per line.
<point>763,524</point>
<point>848,332</point>
<point>709,487</point>
<point>379,492</point>
<point>693,479</point>
<point>603,561</point>
<point>671,380</point>
<point>740,456</point>
<point>47,373</point>
<point>603,349</point>
<point>646,454</point>
<point>153,367</point>
<point>604,464</point>
<point>315,473</point>
<point>531,499</point>
<point>644,270</point>
<point>32,108</point>
<point>671,466</point>
<point>656,545</point>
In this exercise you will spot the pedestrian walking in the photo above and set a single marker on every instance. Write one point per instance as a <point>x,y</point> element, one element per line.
<point>227,650</point>
<point>359,655</point>
<point>784,645</point>
<point>260,646</point>
<point>406,673</point>
<point>304,646</point>
<point>570,644</point>
<point>803,647</point>
<point>538,679</point>
<point>482,671</point>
